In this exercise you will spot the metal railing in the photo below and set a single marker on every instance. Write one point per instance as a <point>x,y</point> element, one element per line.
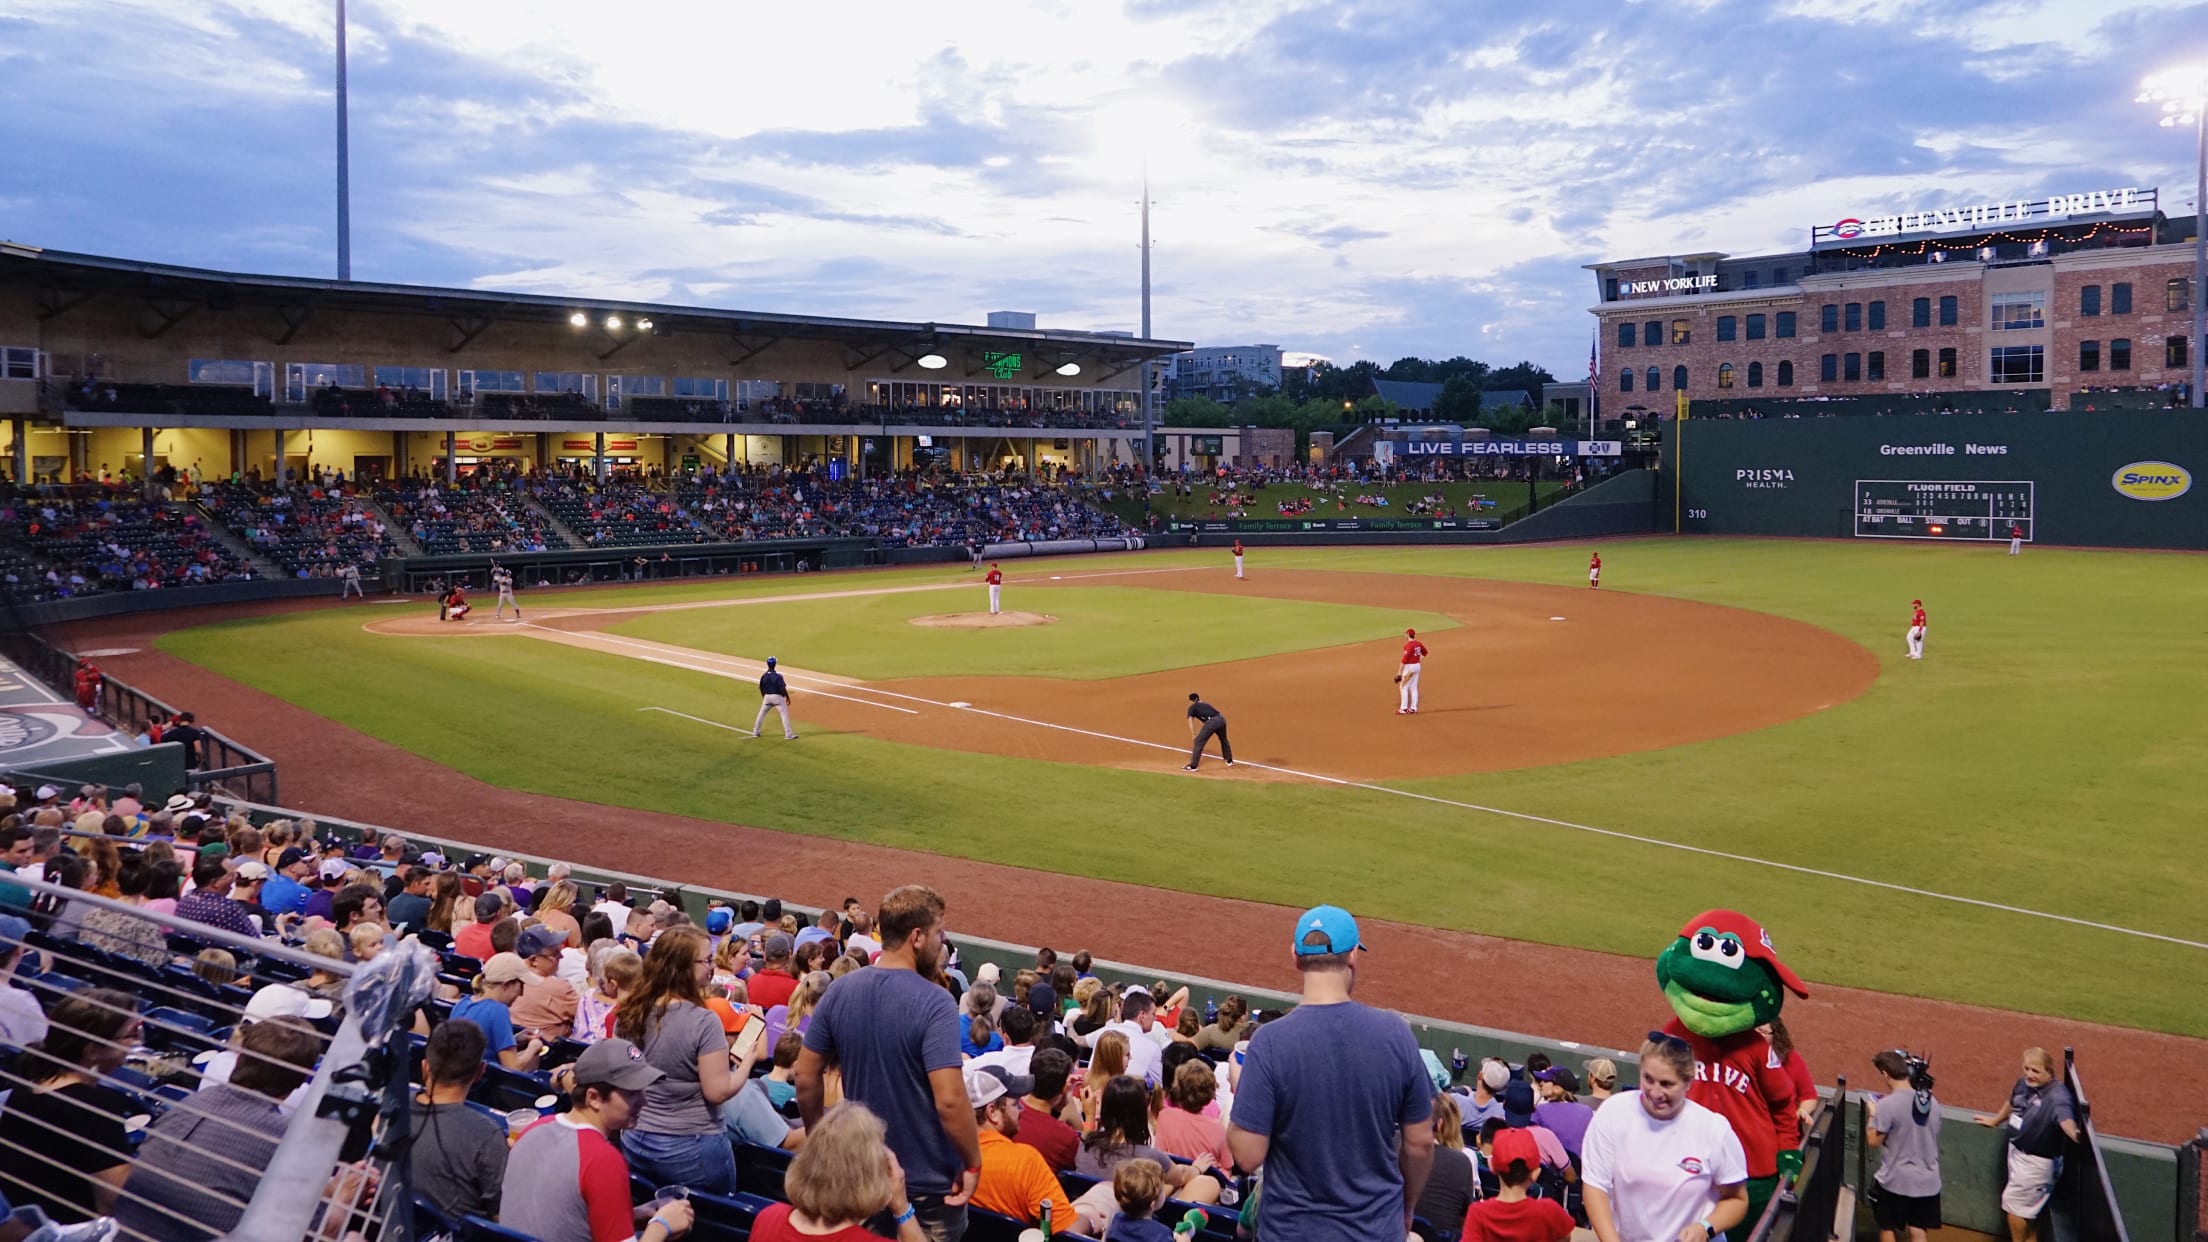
<point>2084,1204</point>
<point>2192,1189</point>
<point>1807,1210</point>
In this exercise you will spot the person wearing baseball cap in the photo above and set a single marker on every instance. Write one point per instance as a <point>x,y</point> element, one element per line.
<point>1510,1213</point>
<point>547,1003</point>
<point>1352,1134</point>
<point>496,989</point>
<point>774,694</point>
<point>566,1178</point>
<point>286,890</point>
<point>22,1021</point>
<point>1015,1179</point>
<point>773,983</point>
<point>1560,1109</point>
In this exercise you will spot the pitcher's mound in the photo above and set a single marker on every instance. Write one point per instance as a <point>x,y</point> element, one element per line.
<point>983,620</point>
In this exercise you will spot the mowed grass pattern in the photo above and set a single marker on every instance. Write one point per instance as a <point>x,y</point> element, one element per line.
<point>2044,755</point>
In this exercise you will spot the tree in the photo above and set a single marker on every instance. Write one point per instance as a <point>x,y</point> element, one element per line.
<point>1524,376</point>
<point>1458,401</point>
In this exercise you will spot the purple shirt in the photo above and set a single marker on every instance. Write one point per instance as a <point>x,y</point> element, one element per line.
<point>1568,1121</point>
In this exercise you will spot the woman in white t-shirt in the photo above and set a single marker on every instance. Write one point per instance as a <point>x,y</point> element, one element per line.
<point>1659,1167</point>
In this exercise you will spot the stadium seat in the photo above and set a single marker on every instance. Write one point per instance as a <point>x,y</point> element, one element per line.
<point>759,1170</point>
<point>477,1229</point>
<point>722,1218</point>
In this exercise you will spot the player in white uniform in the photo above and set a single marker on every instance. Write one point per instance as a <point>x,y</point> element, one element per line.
<point>351,577</point>
<point>1916,629</point>
<point>1237,558</point>
<point>503,579</point>
<point>2016,539</point>
<point>996,589</point>
<point>1406,675</point>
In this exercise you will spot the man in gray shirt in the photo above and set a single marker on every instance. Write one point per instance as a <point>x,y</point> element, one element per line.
<point>458,1159</point>
<point>1905,1127</point>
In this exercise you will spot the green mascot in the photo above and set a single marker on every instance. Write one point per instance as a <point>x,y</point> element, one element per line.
<point>1723,979</point>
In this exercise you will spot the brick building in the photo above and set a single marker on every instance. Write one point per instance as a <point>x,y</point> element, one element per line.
<point>2029,302</point>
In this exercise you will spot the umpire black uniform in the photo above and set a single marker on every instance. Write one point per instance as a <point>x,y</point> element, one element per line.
<point>1212,721</point>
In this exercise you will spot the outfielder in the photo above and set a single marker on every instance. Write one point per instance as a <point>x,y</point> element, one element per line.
<point>774,693</point>
<point>1594,572</point>
<point>350,575</point>
<point>996,589</point>
<point>1212,722</point>
<point>1238,558</point>
<point>1406,677</point>
<point>503,579</point>
<point>1916,629</point>
<point>2016,539</point>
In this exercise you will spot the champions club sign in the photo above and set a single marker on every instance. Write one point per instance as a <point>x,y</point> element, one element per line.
<point>1967,218</point>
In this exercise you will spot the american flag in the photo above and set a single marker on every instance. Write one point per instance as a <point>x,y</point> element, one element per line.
<point>1594,374</point>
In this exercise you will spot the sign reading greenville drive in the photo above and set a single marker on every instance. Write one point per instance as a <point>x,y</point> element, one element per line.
<point>1510,448</point>
<point>2152,480</point>
<point>1982,217</point>
<point>1672,284</point>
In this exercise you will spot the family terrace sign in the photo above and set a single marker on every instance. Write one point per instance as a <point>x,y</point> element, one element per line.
<point>1985,217</point>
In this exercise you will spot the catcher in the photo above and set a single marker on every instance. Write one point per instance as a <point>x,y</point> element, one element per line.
<point>1406,676</point>
<point>454,606</point>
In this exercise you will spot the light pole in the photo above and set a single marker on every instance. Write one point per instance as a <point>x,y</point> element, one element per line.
<point>2183,94</point>
<point>1149,385</point>
<point>344,164</point>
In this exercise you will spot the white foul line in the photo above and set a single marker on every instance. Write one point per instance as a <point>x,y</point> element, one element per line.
<point>598,636</point>
<point>700,719</point>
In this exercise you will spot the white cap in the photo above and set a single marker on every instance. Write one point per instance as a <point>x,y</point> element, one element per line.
<point>335,868</point>
<point>988,974</point>
<point>281,1000</point>
<point>47,791</point>
<point>252,869</point>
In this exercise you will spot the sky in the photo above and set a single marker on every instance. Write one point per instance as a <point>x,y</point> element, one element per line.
<point>1357,180</point>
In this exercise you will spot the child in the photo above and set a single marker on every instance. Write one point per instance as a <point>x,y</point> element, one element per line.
<point>1139,1185</point>
<point>618,971</point>
<point>778,1083</point>
<point>1510,1216</point>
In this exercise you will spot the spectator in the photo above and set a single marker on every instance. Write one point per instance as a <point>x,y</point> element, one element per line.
<point>1797,1070</point>
<point>1451,1137</point>
<point>1122,1133</point>
<point>450,907</point>
<point>496,989</point>
<point>548,1003</point>
<point>556,910</point>
<point>1560,1110</point>
<point>1602,1080</point>
<point>458,1160</point>
<point>1108,1060</point>
<point>1344,1144</point>
<point>752,1116</point>
<point>1182,1128</point>
<point>62,1135</point>
<point>16,852</point>
<point>893,1032</point>
<point>1227,1028</point>
<point>1518,1109</point>
<point>165,883</point>
<point>614,903</point>
<point>773,984</point>
<point>285,892</point>
<point>781,1081</point>
<point>202,1159</point>
<point>22,1022</point>
<point>677,1137</point>
<point>1018,1048</point>
<point>1140,1188</point>
<point>410,909</point>
<point>209,901</point>
<point>1041,1126</point>
<point>565,1178</point>
<point>1451,1183</point>
<point>2043,1121</point>
<point>1486,1099</point>
<point>843,1178</point>
<point>1015,1180</point>
<point>1657,1166</point>
<point>1511,1216</point>
<point>797,1014</point>
<point>616,970</point>
<point>474,940</point>
<point>1905,1127</point>
<point>1138,1016</point>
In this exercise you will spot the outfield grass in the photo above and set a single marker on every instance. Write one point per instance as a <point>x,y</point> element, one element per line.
<point>1101,632</point>
<point>2044,755</point>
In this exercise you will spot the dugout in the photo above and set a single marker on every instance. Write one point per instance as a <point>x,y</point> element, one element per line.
<point>574,566</point>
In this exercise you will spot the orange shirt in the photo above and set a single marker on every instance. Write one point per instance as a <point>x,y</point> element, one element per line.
<point>1016,1180</point>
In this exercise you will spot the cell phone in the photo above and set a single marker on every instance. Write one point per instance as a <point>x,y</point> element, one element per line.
<point>747,1040</point>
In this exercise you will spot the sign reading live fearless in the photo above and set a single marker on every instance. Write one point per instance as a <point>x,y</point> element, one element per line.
<point>1508,448</point>
<point>2115,479</point>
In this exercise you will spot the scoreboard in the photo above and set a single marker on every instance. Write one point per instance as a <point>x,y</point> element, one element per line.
<point>1942,508</point>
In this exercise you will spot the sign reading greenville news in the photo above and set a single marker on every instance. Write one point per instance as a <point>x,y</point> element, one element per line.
<point>1508,448</point>
<point>1983,217</point>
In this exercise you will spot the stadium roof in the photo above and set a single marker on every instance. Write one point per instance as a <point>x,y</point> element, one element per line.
<point>67,277</point>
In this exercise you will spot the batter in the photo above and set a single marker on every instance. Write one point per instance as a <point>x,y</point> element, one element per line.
<point>1406,674</point>
<point>503,579</point>
<point>1204,721</point>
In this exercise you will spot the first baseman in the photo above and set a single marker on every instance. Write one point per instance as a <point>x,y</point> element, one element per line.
<point>503,579</point>
<point>1406,676</point>
<point>1212,721</point>
<point>774,693</point>
<point>996,589</point>
<point>1916,629</point>
<point>1594,572</point>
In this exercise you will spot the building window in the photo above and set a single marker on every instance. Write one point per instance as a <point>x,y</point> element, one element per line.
<point>1655,378</point>
<point>20,362</point>
<point>1755,375</point>
<point>2017,364</point>
<point>1785,325</point>
<point>1680,334</point>
<point>1750,279</point>
<point>1853,372</point>
<point>1727,326</point>
<point>1947,364</point>
<point>1878,316</point>
<point>1950,311</point>
<point>2089,355</point>
<point>1725,375</point>
<point>1828,368</point>
<point>1679,379</point>
<point>1610,289</point>
<point>1876,360</point>
<point>1786,375</point>
<point>2178,294</point>
<point>1755,327</point>
<point>1855,317</point>
<point>1652,333</point>
<point>2119,353</point>
<point>2119,301</point>
<point>1625,336</point>
<point>2089,300</point>
<point>1828,319</point>
<point>1920,364</point>
<point>1920,313</point>
<point>1625,380</point>
<point>1778,275</point>
<point>2016,312</point>
<point>2173,352</point>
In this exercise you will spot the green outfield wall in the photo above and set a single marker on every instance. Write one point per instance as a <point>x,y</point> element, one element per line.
<point>2112,479</point>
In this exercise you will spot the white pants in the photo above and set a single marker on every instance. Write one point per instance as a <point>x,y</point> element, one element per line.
<point>1916,642</point>
<point>780,703</point>
<point>1407,698</point>
<point>2016,545</point>
<point>1238,564</point>
<point>505,598</point>
<point>457,611</point>
<point>996,597</point>
<point>352,588</point>
<point>2031,1183</point>
<point>1594,577</point>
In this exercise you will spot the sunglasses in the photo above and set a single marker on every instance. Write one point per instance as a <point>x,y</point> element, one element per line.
<point>1669,1040</point>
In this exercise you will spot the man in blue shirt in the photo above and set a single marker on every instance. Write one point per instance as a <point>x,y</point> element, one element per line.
<point>774,693</point>
<point>286,891</point>
<point>1334,1102</point>
<point>500,986</point>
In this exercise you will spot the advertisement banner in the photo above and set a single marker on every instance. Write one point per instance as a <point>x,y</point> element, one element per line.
<point>1497,448</point>
<point>1254,526</point>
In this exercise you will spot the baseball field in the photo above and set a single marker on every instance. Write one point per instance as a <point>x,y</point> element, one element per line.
<point>2011,822</point>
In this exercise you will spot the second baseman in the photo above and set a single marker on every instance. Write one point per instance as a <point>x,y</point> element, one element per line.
<point>1406,675</point>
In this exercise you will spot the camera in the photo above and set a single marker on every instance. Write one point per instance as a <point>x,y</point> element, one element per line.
<point>1920,1072</point>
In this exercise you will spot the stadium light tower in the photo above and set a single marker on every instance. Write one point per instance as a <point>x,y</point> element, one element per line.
<point>344,162</point>
<point>2183,95</point>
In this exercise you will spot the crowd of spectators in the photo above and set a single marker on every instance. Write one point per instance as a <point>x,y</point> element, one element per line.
<point>481,514</point>
<point>619,512</point>
<point>904,510</point>
<point>67,543</point>
<point>311,530</point>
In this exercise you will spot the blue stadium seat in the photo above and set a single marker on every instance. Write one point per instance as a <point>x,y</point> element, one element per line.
<point>723,1218</point>
<point>477,1229</point>
<point>428,1221</point>
<point>759,1170</point>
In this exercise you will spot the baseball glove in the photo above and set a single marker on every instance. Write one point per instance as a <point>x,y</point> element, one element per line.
<point>1399,679</point>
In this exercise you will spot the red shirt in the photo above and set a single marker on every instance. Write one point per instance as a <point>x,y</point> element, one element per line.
<point>1734,1078</point>
<point>1413,651</point>
<point>774,1225</point>
<point>1595,561</point>
<point>995,577</point>
<point>474,941</point>
<point>1917,618</point>
<point>1059,1142</point>
<point>1527,1220</point>
<point>1238,547</point>
<point>769,988</point>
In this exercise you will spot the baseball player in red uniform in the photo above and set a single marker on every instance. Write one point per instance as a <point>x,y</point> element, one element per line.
<point>2016,539</point>
<point>1237,558</point>
<point>1406,677</point>
<point>1594,571</point>
<point>996,589</point>
<point>454,607</point>
<point>1916,629</point>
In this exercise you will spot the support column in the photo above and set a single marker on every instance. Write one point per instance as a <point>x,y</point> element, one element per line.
<point>22,452</point>
<point>452,468</point>
<point>598,456</point>
<point>398,455</point>
<point>278,476</point>
<point>77,454</point>
<point>145,461</point>
<point>730,453</point>
<point>237,453</point>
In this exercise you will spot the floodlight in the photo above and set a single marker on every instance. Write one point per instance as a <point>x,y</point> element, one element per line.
<point>579,319</point>
<point>643,325</point>
<point>933,362</point>
<point>613,323</point>
<point>1071,368</point>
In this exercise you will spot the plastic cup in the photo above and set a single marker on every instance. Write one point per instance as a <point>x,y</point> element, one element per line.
<point>519,1120</point>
